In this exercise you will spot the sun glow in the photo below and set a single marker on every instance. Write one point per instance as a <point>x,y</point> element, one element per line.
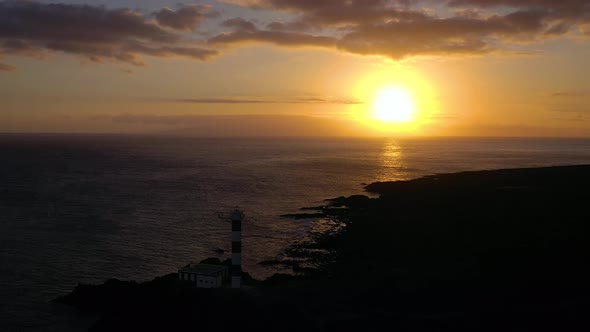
<point>394,104</point>
<point>398,101</point>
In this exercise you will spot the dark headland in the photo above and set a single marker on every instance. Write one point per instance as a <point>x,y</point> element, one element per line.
<point>503,250</point>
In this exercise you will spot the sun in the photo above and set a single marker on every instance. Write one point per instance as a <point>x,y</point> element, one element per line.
<point>394,104</point>
<point>397,101</point>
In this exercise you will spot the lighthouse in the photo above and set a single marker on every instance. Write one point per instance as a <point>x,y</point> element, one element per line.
<point>236,248</point>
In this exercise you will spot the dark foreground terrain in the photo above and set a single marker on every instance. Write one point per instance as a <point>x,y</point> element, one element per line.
<point>502,250</point>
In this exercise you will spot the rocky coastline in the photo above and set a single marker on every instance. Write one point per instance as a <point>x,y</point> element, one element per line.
<point>485,251</point>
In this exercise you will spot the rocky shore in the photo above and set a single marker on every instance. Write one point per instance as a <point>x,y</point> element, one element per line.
<point>472,251</point>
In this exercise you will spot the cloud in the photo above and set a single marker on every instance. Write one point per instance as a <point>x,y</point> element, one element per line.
<point>185,18</point>
<point>5,67</point>
<point>244,3</point>
<point>170,50</point>
<point>569,94</point>
<point>21,47</point>
<point>399,29</point>
<point>443,117</point>
<point>395,29</point>
<point>316,100</point>
<point>238,23</point>
<point>518,130</point>
<point>94,32</point>
<point>239,125</point>
<point>560,16</point>
<point>245,31</point>
<point>522,3</point>
<point>298,100</point>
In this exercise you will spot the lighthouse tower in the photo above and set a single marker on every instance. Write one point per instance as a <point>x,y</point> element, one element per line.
<point>236,248</point>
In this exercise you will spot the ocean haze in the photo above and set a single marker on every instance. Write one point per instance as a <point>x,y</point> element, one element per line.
<point>85,208</point>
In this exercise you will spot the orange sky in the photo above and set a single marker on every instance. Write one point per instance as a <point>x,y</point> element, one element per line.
<point>295,68</point>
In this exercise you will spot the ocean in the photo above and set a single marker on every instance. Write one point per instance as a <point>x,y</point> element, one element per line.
<point>86,208</point>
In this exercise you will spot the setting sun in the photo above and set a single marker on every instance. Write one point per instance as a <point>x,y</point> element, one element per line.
<point>394,104</point>
<point>397,101</point>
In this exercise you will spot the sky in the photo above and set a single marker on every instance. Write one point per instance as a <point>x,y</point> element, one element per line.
<point>296,67</point>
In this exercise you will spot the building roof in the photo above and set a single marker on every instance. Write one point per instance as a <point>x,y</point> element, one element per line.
<point>203,269</point>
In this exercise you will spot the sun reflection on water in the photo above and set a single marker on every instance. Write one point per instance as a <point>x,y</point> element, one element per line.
<point>392,162</point>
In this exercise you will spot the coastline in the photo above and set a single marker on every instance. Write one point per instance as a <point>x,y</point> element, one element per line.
<point>453,247</point>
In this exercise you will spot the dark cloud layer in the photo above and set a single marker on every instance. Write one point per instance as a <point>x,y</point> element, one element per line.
<point>403,28</point>
<point>185,18</point>
<point>392,28</point>
<point>94,32</point>
<point>245,31</point>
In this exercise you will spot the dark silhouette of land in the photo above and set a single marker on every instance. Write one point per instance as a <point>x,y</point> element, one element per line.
<point>475,251</point>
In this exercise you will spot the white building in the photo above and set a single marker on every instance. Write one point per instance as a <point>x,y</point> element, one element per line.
<point>204,275</point>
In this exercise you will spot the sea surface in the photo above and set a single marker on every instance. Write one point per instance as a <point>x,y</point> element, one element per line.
<point>86,208</point>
